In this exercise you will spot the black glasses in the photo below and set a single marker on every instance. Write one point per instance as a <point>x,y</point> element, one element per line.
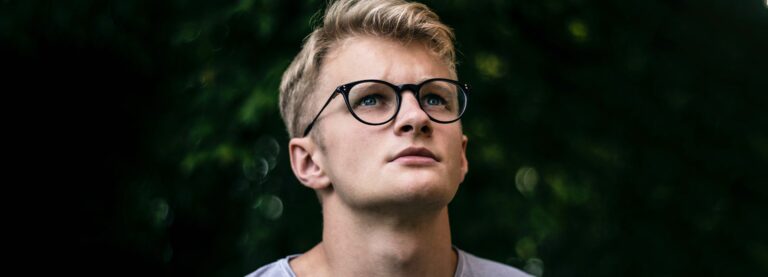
<point>376,102</point>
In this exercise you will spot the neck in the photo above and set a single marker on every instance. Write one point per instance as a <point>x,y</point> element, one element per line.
<point>368,243</point>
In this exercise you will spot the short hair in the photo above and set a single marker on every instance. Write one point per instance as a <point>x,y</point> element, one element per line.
<point>393,19</point>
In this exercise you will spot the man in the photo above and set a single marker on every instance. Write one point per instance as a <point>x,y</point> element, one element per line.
<point>373,106</point>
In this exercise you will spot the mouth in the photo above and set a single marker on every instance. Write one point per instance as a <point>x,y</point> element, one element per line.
<point>415,155</point>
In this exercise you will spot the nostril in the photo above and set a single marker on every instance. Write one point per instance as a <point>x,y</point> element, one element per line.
<point>407,128</point>
<point>425,129</point>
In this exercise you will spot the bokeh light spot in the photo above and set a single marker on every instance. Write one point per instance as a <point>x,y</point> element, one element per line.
<point>270,206</point>
<point>160,212</point>
<point>578,30</point>
<point>489,65</point>
<point>207,77</point>
<point>268,148</point>
<point>255,170</point>
<point>225,153</point>
<point>526,180</point>
<point>534,266</point>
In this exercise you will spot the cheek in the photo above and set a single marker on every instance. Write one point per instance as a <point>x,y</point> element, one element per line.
<point>353,155</point>
<point>455,151</point>
<point>353,165</point>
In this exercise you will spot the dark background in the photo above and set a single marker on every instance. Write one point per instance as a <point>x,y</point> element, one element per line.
<point>607,138</point>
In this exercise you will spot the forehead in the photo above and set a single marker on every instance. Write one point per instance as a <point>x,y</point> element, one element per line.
<point>367,57</point>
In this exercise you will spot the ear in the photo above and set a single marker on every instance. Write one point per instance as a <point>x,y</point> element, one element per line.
<point>464,162</point>
<point>305,163</point>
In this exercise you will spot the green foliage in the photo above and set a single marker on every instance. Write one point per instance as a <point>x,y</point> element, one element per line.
<point>605,138</point>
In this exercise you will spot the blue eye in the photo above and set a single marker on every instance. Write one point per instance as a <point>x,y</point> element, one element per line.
<point>369,100</point>
<point>434,100</point>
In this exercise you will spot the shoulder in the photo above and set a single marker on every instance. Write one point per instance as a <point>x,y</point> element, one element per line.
<point>279,268</point>
<point>473,266</point>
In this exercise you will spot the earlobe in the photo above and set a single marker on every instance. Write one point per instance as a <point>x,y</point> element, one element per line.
<point>304,163</point>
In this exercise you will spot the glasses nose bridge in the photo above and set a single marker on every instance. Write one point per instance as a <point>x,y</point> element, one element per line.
<point>413,88</point>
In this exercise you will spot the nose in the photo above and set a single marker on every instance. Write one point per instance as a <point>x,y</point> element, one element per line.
<point>411,118</point>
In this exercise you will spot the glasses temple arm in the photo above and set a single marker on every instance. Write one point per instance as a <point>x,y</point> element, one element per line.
<point>309,127</point>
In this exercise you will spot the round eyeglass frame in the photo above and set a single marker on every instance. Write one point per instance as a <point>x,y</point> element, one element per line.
<point>415,88</point>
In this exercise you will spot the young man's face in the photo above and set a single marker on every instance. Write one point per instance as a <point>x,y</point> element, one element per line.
<point>361,161</point>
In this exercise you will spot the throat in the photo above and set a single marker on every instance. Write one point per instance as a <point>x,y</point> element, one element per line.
<point>359,245</point>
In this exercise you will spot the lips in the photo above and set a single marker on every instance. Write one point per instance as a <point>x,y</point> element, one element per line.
<point>415,152</point>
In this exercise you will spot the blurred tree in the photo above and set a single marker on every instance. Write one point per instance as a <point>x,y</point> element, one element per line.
<point>606,138</point>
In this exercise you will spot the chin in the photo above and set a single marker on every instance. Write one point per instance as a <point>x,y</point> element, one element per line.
<point>416,190</point>
<point>434,192</point>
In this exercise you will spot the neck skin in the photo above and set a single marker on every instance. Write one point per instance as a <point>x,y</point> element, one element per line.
<point>368,243</point>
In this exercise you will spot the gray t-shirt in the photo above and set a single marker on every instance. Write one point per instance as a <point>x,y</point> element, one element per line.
<point>468,265</point>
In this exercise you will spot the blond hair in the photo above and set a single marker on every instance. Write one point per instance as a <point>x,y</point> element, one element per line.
<point>394,19</point>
